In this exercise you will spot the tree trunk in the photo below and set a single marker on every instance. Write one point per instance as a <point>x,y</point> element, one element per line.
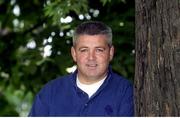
<point>157,69</point>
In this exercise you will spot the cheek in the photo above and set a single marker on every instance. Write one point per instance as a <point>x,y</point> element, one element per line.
<point>103,58</point>
<point>81,59</point>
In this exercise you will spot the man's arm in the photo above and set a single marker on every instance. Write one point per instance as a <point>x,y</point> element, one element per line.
<point>127,103</point>
<point>39,108</point>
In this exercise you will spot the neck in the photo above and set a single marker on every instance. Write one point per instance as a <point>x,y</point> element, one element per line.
<point>90,80</point>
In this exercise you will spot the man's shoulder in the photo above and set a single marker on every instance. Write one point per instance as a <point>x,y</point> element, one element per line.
<point>121,80</point>
<point>123,86</point>
<point>59,82</point>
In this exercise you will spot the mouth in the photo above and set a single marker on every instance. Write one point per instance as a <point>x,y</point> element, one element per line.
<point>91,65</point>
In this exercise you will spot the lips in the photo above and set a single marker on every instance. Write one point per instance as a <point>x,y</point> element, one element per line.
<point>91,65</point>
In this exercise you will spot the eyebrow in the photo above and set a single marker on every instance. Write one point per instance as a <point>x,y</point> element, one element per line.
<point>101,47</point>
<point>85,47</point>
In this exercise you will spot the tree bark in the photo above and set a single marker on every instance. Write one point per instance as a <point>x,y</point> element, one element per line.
<point>157,68</point>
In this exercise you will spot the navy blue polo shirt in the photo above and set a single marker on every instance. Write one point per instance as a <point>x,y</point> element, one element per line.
<point>62,97</point>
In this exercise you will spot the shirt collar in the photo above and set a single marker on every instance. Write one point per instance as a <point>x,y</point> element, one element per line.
<point>108,78</point>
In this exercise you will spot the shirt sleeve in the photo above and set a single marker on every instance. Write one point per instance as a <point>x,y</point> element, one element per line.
<point>127,103</point>
<point>40,106</point>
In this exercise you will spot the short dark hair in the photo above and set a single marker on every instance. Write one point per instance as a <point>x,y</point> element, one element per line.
<point>93,28</point>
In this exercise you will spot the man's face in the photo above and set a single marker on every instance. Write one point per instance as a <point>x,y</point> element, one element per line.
<point>92,55</point>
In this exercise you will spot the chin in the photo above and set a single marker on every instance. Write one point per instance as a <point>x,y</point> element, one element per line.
<point>94,76</point>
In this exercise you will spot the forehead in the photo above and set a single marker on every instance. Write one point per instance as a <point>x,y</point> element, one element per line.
<point>92,40</point>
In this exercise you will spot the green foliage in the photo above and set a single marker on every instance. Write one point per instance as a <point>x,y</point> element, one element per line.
<point>60,8</point>
<point>104,2</point>
<point>43,25</point>
<point>5,108</point>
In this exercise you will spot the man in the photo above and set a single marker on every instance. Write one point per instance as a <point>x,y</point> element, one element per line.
<point>93,89</point>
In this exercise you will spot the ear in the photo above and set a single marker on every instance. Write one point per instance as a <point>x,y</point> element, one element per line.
<point>111,52</point>
<point>73,53</point>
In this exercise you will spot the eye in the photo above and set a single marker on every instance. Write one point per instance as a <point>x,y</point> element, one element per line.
<point>100,50</point>
<point>83,49</point>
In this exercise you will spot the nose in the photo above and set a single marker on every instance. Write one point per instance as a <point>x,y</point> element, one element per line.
<point>92,55</point>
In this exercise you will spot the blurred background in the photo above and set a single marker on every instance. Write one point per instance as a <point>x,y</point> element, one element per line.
<point>35,41</point>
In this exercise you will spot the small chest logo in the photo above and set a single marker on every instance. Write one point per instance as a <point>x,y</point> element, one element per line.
<point>108,110</point>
